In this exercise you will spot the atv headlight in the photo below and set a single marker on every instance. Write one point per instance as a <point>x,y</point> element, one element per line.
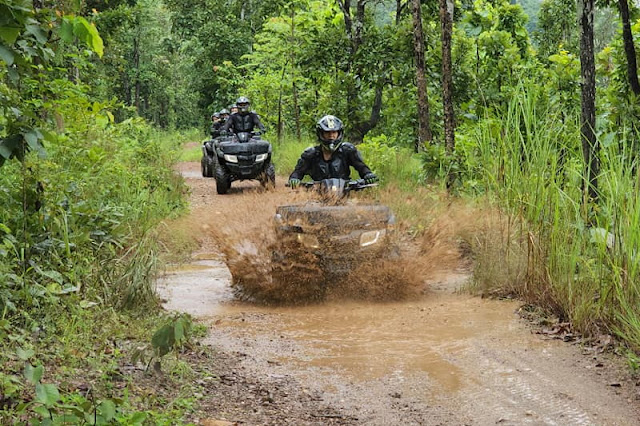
<point>261,157</point>
<point>309,241</point>
<point>231,158</point>
<point>371,237</point>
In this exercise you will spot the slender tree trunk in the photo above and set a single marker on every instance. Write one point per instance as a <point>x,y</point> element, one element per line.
<point>590,146</point>
<point>629,47</point>
<point>136,63</point>
<point>446,20</point>
<point>280,123</point>
<point>354,26</point>
<point>424,128</point>
<point>400,5</point>
<point>296,109</point>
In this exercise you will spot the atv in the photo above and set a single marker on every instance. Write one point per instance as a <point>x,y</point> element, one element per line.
<point>243,156</point>
<point>320,243</point>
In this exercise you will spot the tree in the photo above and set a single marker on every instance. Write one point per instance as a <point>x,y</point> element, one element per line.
<point>424,128</point>
<point>629,47</point>
<point>590,145</point>
<point>446,19</point>
<point>355,27</point>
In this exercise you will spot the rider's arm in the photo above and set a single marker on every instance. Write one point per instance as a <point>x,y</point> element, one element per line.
<point>227,125</point>
<point>304,164</point>
<point>355,159</point>
<point>257,122</point>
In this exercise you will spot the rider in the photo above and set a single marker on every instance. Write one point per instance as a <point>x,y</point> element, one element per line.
<point>244,120</point>
<point>224,114</point>
<point>216,122</point>
<point>332,158</point>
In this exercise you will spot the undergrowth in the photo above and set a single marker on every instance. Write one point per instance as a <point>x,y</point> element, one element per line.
<point>78,257</point>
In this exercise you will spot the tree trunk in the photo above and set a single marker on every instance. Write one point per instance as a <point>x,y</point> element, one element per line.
<point>424,128</point>
<point>629,48</point>
<point>136,64</point>
<point>590,146</point>
<point>296,109</point>
<point>280,123</point>
<point>400,5</point>
<point>354,26</point>
<point>446,20</point>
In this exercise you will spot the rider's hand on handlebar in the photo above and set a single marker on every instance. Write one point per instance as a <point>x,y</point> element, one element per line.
<point>294,183</point>
<point>370,178</point>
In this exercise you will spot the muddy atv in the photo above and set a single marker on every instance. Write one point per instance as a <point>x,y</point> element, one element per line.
<point>319,243</point>
<point>243,156</point>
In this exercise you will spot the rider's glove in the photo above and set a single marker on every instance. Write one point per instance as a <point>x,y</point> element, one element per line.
<point>370,178</point>
<point>293,183</point>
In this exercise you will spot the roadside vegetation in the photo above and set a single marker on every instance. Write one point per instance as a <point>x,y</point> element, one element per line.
<point>97,99</point>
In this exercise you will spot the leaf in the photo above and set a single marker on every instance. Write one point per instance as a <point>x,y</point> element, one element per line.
<point>25,354</point>
<point>6,55</point>
<point>9,34</point>
<point>43,411</point>
<point>84,304</point>
<point>37,32</point>
<point>163,340</point>
<point>178,330</point>
<point>47,394</point>
<point>32,140</point>
<point>88,33</point>
<point>66,30</point>
<point>33,374</point>
<point>54,275</point>
<point>138,418</point>
<point>108,410</point>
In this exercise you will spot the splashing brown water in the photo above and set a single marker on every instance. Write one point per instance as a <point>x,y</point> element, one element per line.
<point>243,229</point>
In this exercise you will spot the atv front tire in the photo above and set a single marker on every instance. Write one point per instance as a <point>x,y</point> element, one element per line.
<point>223,180</point>
<point>268,178</point>
<point>208,166</point>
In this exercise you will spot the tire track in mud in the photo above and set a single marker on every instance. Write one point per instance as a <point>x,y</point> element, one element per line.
<point>438,359</point>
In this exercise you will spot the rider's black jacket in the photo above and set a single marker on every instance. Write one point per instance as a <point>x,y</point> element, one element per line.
<point>215,129</point>
<point>238,122</point>
<point>312,163</point>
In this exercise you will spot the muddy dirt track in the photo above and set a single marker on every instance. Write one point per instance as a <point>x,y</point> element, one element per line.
<point>439,358</point>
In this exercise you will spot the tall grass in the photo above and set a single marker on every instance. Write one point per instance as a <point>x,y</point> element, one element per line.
<point>545,240</point>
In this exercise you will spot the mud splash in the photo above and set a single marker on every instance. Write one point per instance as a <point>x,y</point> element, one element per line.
<point>245,234</point>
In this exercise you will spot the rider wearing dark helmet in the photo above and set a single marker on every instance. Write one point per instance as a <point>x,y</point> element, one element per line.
<point>244,120</point>
<point>332,158</point>
<point>216,122</point>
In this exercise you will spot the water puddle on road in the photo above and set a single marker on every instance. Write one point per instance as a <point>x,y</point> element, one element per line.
<point>363,341</point>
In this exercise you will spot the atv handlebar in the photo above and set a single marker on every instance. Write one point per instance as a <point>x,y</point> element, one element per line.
<point>351,185</point>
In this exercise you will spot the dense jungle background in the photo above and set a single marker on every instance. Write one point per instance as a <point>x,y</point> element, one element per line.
<point>527,109</point>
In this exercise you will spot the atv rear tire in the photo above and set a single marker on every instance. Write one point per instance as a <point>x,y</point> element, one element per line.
<point>223,180</point>
<point>268,178</point>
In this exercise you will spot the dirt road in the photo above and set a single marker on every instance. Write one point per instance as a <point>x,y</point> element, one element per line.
<point>441,358</point>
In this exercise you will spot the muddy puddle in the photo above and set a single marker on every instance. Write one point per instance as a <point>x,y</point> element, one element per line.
<point>437,357</point>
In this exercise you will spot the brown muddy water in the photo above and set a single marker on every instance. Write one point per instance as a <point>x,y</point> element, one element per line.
<point>438,357</point>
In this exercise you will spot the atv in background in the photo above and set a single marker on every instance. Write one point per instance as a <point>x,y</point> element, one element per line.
<point>243,156</point>
<point>319,243</point>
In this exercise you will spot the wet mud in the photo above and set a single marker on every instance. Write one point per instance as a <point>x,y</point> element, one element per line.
<point>430,355</point>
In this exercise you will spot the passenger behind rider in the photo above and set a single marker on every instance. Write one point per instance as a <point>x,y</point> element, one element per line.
<point>224,114</point>
<point>216,122</point>
<point>332,158</point>
<point>244,120</point>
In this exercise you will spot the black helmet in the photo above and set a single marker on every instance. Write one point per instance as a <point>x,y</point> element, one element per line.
<point>243,104</point>
<point>330,123</point>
